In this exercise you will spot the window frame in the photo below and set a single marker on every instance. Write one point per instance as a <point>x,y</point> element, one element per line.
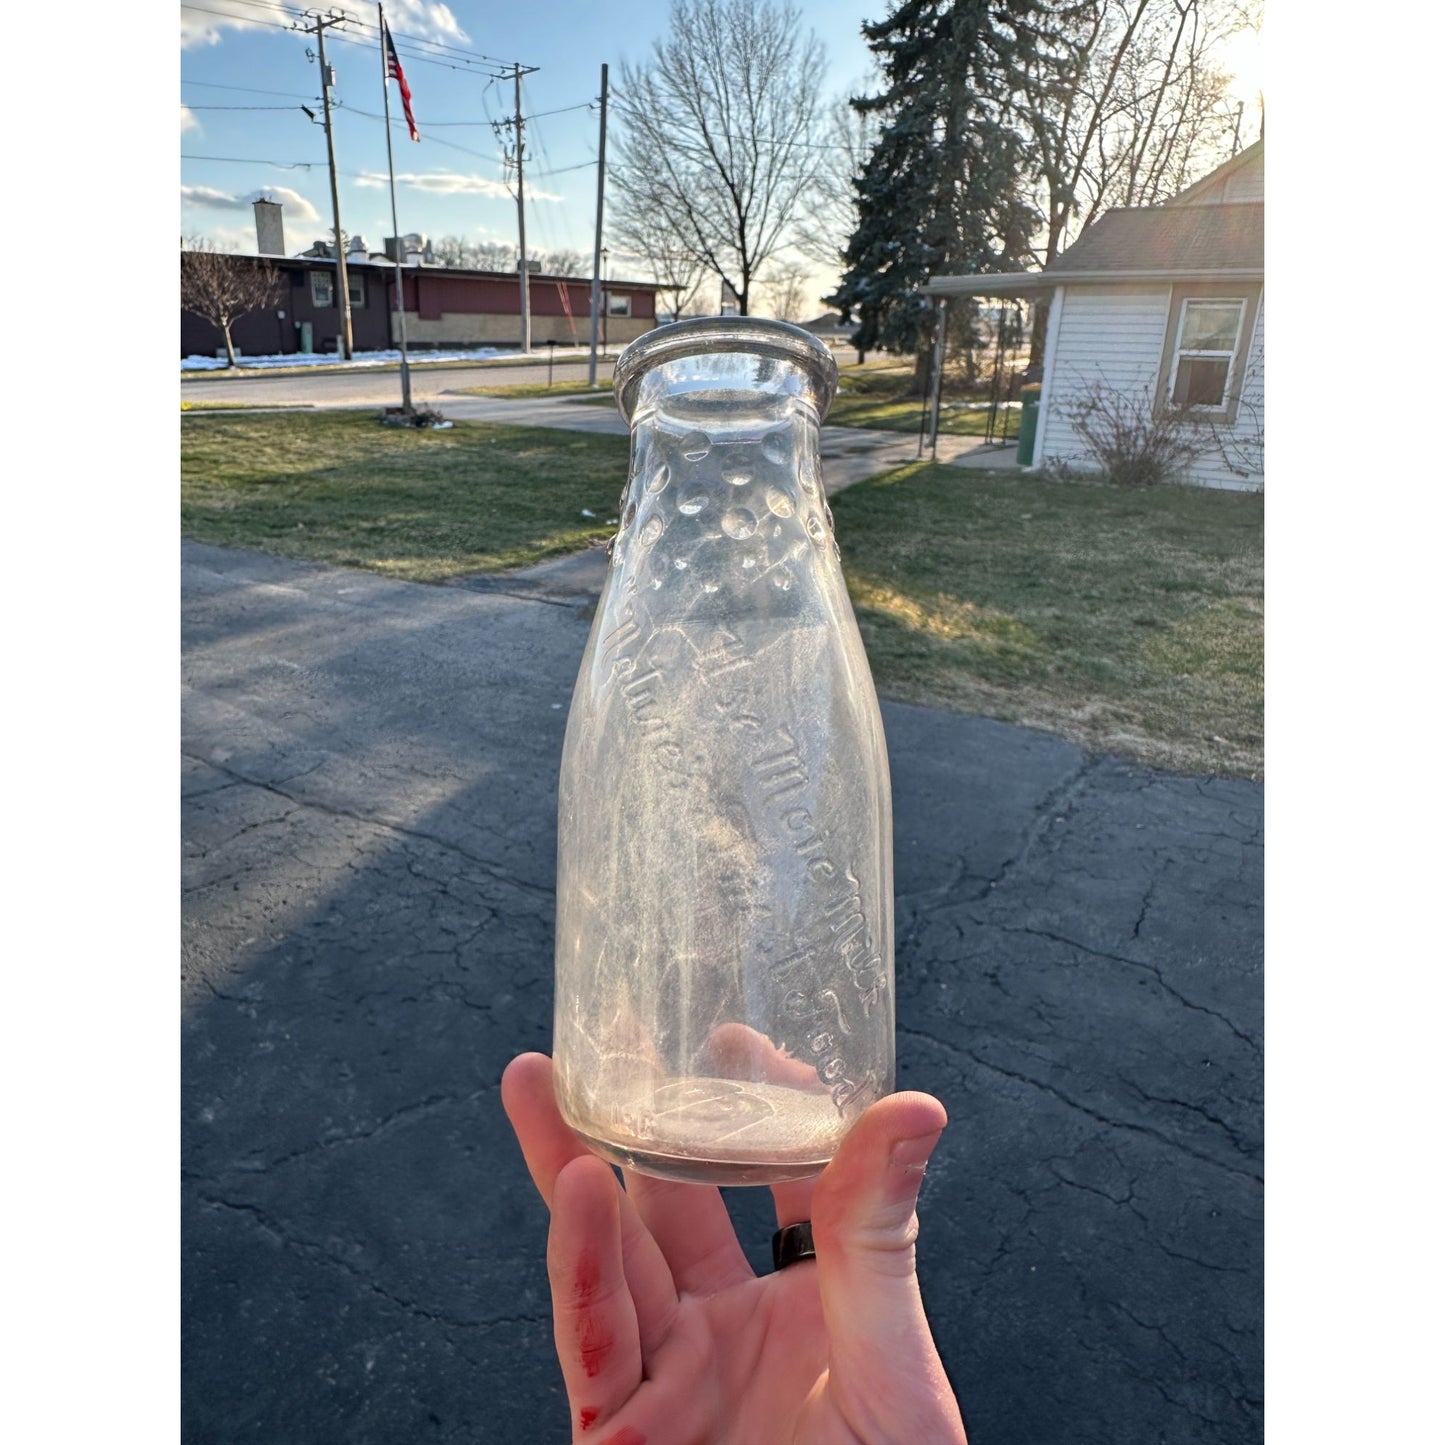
<point>356,283</point>
<point>330,287</point>
<point>619,305</point>
<point>1247,295</point>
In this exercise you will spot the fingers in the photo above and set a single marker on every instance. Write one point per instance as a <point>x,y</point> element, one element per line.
<point>739,1052</point>
<point>693,1229</point>
<point>864,1226</point>
<point>593,1319</point>
<point>793,1201</point>
<point>549,1146</point>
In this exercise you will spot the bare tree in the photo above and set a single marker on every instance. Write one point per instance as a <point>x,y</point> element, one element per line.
<point>565,263</point>
<point>848,138</point>
<point>221,289</point>
<point>785,290</point>
<point>1127,106</point>
<point>675,270</point>
<point>717,133</point>
<point>475,255</point>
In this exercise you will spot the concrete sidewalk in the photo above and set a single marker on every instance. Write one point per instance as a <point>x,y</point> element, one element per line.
<point>848,454</point>
<point>369,773</point>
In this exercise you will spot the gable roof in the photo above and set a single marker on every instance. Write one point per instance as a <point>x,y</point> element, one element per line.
<point>1192,195</point>
<point>1165,238</point>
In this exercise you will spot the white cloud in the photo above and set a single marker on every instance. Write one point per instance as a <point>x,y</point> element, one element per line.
<point>423,19</point>
<point>295,206</point>
<point>451,183</point>
<point>188,120</point>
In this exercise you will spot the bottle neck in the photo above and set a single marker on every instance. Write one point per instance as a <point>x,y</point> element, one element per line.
<point>728,356</point>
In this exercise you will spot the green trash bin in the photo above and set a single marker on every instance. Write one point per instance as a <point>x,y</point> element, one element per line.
<point>1028,422</point>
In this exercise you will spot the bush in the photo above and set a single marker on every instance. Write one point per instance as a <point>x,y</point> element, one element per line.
<point>1134,445</point>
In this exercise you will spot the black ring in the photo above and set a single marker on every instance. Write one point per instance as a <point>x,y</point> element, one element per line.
<point>793,1243</point>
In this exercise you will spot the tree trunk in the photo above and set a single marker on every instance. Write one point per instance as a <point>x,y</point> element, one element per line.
<point>230,350</point>
<point>922,371</point>
<point>1037,334</point>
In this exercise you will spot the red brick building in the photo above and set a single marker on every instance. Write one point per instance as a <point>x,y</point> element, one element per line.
<point>445,308</point>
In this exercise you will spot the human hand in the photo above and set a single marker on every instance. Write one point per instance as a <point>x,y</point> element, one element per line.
<point>667,1337</point>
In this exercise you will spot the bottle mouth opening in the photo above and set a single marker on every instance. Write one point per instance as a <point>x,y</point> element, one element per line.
<point>747,335</point>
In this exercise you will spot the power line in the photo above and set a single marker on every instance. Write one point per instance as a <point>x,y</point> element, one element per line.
<point>458,59</point>
<point>231,15</point>
<point>184,106</point>
<point>249,89</point>
<point>254,161</point>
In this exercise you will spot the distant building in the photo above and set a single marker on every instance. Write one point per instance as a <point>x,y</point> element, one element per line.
<point>446,307</point>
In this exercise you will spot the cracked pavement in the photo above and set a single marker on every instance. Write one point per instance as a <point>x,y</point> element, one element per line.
<point>368,795</point>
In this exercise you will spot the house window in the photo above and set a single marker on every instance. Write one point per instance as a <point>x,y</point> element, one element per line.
<point>321,288</point>
<point>356,289</point>
<point>619,305</point>
<point>1205,346</point>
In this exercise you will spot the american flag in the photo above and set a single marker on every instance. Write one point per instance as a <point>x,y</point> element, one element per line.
<point>394,72</point>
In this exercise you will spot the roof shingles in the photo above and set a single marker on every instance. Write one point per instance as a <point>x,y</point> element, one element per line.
<point>1163,238</point>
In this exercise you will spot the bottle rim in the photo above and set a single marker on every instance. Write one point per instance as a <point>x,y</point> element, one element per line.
<point>701,334</point>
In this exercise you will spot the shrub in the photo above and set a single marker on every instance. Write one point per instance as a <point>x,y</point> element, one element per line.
<point>1134,445</point>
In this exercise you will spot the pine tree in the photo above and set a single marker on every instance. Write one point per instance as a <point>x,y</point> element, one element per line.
<point>945,189</point>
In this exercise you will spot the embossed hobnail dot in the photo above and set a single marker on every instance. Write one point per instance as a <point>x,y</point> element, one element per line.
<point>724,1007</point>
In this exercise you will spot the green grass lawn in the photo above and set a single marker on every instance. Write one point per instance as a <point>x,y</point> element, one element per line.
<point>1131,621</point>
<point>337,487</point>
<point>244,406</point>
<point>559,390</point>
<point>876,396</point>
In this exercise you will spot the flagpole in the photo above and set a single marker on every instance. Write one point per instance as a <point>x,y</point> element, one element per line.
<point>395,229</point>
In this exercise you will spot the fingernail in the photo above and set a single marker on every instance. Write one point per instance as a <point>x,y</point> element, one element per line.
<point>913,1154</point>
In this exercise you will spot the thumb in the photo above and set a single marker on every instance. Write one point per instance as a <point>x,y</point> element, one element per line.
<point>884,1371</point>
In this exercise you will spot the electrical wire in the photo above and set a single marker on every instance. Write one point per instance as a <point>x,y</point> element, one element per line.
<point>249,89</point>
<point>457,59</point>
<point>256,161</point>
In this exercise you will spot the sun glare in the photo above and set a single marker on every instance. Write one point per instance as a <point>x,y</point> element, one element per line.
<point>1242,56</point>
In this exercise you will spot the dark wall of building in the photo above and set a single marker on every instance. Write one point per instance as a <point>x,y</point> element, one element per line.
<point>278,329</point>
<point>434,293</point>
<point>430,294</point>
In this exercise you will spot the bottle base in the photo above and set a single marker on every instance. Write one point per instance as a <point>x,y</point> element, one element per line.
<point>692,1169</point>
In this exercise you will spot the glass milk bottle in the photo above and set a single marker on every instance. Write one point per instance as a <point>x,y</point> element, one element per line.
<point>724,971</point>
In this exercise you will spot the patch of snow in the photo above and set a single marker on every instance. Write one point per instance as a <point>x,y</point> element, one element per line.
<point>363,358</point>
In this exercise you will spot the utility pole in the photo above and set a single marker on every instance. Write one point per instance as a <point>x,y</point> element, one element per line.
<point>343,298</point>
<point>519,154</point>
<point>597,239</point>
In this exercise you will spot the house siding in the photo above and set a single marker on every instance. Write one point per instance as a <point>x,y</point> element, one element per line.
<point>1117,335</point>
<point>1109,334</point>
<point>1244,183</point>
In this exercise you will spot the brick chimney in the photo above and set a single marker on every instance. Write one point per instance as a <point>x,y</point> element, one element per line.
<point>270,240</point>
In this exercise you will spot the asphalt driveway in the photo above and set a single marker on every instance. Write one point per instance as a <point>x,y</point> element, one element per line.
<point>369,774</point>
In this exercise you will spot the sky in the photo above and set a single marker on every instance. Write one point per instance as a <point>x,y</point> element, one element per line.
<point>245,75</point>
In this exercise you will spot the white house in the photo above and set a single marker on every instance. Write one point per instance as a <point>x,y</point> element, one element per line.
<point>1163,305</point>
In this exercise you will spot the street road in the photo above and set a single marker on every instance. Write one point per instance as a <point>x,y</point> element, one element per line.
<point>320,387</point>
